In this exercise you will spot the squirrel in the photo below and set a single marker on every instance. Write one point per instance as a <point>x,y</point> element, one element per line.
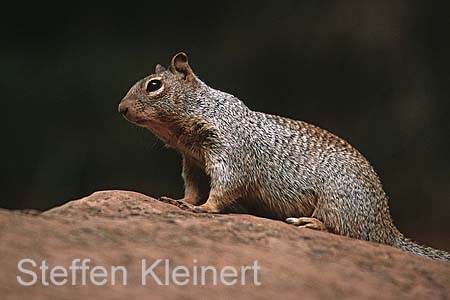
<point>239,160</point>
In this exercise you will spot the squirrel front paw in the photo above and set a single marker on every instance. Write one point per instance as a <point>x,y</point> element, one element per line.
<point>182,204</point>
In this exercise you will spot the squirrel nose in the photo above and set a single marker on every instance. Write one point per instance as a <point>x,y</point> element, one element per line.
<point>123,109</point>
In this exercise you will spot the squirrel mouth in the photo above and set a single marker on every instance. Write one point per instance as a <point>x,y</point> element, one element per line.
<point>138,120</point>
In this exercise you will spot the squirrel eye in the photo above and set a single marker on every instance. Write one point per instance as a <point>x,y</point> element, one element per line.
<point>153,85</point>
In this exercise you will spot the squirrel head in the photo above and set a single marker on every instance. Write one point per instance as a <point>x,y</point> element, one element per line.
<point>164,98</point>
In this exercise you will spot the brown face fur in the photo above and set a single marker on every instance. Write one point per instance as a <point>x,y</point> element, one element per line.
<point>157,101</point>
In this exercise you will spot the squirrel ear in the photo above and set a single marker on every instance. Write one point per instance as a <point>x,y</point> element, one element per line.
<point>159,69</point>
<point>180,66</point>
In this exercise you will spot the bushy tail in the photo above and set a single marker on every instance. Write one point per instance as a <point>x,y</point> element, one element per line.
<point>408,245</point>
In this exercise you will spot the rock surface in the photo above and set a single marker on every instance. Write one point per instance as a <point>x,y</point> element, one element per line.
<point>119,228</point>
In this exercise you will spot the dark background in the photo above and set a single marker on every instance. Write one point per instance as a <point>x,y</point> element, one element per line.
<point>375,73</point>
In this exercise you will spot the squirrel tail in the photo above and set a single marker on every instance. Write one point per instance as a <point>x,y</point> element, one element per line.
<point>410,246</point>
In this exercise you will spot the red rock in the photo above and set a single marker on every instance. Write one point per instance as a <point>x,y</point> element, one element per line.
<point>122,228</point>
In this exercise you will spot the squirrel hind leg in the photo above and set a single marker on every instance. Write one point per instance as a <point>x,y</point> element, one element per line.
<point>307,222</point>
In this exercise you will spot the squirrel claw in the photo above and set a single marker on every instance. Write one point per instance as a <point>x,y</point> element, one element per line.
<point>182,204</point>
<point>307,222</point>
